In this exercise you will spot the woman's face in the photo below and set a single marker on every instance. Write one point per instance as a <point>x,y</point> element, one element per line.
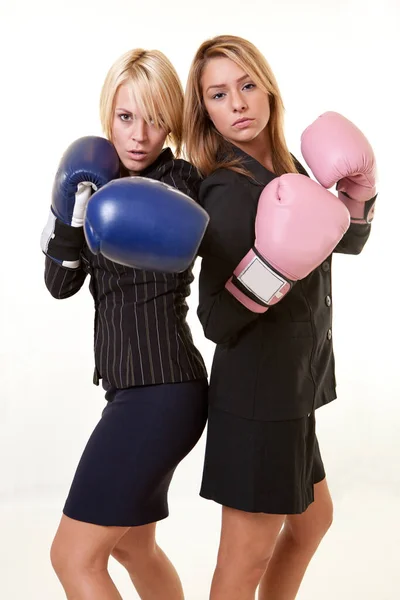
<point>238,108</point>
<point>137,143</point>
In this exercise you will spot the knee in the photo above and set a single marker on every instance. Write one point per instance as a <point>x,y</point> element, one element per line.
<point>248,563</point>
<point>327,519</point>
<point>311,533</point>
<point>58,557</point>
<point>324,519</point>
<point>324,514</point>
<point>70,561</point>
<point>133,556</point>
<point>123,556</point>
<point>255,567</point>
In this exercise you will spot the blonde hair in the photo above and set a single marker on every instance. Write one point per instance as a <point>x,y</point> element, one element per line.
<point>205,146</point>
<point>156,88</point>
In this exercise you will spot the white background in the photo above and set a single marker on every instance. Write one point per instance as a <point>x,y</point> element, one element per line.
<point>327,55</point>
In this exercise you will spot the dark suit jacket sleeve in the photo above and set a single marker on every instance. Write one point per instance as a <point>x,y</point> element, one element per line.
<point>228,238</point>
<point>61,282</point>
<point>355,237</point>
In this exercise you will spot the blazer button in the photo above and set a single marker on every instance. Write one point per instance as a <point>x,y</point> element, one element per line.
<point>328,300</point>
<point>325,266</point>
<point>329,334</point>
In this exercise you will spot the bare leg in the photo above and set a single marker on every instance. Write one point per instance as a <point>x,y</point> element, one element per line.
<point>152,574</point>
<point>296,545</point>
<point>247,543</point>
<point>80,554</point>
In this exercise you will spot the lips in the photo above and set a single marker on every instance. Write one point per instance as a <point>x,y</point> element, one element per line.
<point>243,120</point>
<point>137,155</point>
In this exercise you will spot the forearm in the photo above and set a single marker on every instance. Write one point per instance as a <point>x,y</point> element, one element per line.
<point>354,239</point>
<point>62,282</point>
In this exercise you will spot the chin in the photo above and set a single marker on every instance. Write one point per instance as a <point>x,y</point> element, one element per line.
<point>139,166</point>
<point>244,139</point>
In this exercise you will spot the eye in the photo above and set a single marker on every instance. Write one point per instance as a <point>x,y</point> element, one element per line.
<point>218,96</point>
<point>249,86</point>
<point>125,117</point>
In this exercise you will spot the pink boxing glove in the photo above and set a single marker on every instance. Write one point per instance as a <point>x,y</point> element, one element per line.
<point>298,224</point>
<point>338,152</point>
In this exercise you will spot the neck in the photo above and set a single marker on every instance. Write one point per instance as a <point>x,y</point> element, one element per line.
<point>260,149</point>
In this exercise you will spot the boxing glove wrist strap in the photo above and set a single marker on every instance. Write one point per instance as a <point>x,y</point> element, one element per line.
<point>62,243</point>
<point>360,212</point>
<point>261,282</point>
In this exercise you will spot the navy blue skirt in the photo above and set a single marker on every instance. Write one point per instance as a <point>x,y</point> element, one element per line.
<point>126,468</point>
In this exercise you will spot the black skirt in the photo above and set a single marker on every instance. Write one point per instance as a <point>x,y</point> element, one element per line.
<point>261,466</point>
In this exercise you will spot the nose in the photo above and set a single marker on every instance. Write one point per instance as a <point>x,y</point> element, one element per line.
<point>238,102</point>
<point>139,130</point>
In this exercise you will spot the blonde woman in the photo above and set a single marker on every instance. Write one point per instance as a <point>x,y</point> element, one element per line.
<point>265,300</point>
<point>154,377</point>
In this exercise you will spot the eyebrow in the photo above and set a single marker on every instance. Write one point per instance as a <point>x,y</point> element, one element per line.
<point>123,109</point>
<point>222,85</point>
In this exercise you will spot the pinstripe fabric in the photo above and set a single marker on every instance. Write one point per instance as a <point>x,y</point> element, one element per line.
<point>141,336</point>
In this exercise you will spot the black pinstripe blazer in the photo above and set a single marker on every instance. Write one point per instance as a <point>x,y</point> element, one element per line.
<point>140,332</point>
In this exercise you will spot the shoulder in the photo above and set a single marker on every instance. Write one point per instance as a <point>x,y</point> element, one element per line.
<point>223,177</point>
<point>231,203</point>
<point>299,166</point>
<point>226,190</point>
<point>182,175</point>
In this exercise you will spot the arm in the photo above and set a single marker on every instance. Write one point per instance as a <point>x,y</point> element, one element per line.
<point>87,164</point>
<point>362,214</point>
<point>62,282</point>
<point>221,315</point>
<point>184,177</point>
<point>225,243</point>
<point>338,153</point>
<point>62,245</point>
<point>354,239</point>
<point>297,225</point>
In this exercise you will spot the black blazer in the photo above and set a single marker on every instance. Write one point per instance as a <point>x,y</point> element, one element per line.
<point>141,336</point>
<point>278,365</point>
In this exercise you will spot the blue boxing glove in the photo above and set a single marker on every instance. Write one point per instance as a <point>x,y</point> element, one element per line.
<point>145,224</point>
<point>88,164</point>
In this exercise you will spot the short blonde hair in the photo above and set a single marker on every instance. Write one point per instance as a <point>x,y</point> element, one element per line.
<point>205,146</point>
<point>155,86</point>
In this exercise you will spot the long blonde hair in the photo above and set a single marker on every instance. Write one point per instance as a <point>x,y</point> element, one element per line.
<point>156,88</point>
<point>205,146</point>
